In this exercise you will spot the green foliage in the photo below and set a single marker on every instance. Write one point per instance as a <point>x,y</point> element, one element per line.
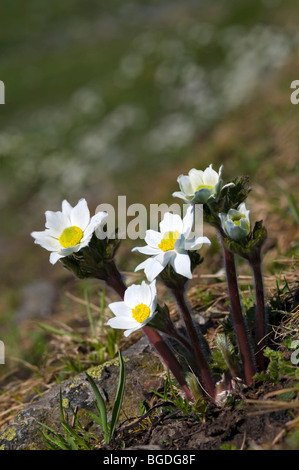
<point>101,417</point>
<point>293,206</point>
<point>77,438</point>
<point>224,356</point>
<point>278,368</point>
<point>250,246</point>
<point>74,438</point>
<point>228,447</point>
<point>93,261</point>
<point>172,396</point>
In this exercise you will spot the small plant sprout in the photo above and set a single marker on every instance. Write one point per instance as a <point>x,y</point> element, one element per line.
<point>69,230</point>
<point>170,245</point>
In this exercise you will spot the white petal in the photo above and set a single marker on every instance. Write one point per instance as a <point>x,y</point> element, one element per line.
<point>142,265</point>
<point>57,222</point>
<point>80,215</point>
<point>185,184</point>
<point>94,223</point>
<point>153,289</point>
<point>188,221</point>
<point>145,294</point>
<point>196,179</point>
<point>128,332</point>
<point>171,223</point>
<point>180,195</point>
<point>66,208</point>
<point>121,323</point>
<point>164,257</point>
<point>196,243</point>
<point>120,309</point>
<point>243,210</point>
<point>210,176</point>
<point>152,238</point>
<point>228,185</point>
<point>182,265</point>
<point>54,257</point>
<point>222,217</point>
<point>132,295</point>
<point>152,269</point>
<point>147,250</point>
<point>46,241</point>
<point>83,243</point>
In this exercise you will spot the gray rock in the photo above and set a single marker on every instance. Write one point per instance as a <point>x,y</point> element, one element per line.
<point>143,368</point>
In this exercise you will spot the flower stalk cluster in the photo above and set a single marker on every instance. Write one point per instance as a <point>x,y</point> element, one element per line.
<point>172,255</point>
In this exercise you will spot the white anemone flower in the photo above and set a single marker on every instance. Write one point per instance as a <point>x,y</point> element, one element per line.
<point>236,222</point>
<point>170,245</point>
<point>199,185</point>
<point>69,230</point>
<point>137,308</point>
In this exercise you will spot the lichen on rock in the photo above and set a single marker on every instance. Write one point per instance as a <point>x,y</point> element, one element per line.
<point>143,367</point>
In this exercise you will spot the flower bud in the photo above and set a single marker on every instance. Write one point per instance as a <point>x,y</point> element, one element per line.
<point>236,222</point>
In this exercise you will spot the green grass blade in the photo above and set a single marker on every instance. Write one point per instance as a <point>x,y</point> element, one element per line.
<point>57,331</point>
<point>293,206</point>
<point>119,394</point>
<point>58,441</point>
<point>101,406</point>
<point>74,439</point>
<point>90,319</point>
<point>94,417</point>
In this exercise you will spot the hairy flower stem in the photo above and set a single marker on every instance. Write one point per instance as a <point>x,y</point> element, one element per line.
<point>260,312</point>
<point>168,357</point>
<point>205,372</point>
<point>115,281</point>
<point>238,320</point>
<point>173,333</point>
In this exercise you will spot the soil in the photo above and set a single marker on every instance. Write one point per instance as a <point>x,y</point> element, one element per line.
<point>242,426</point>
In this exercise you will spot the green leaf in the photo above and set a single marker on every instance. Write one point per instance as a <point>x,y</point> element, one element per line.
<point>53,442</point>
<point>119,394</point>
<point>101,406</point>
<point>57,331</point>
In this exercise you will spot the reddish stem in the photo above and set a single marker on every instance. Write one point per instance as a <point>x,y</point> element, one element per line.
<point>238,320</point>
<point>205,372</point>
<point>168,357</point>
<point>115,281</point>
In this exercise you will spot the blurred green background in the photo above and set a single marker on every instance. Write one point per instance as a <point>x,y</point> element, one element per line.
<point>120,97</point>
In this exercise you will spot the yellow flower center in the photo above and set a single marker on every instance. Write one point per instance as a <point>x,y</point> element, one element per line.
<point>237,219</point>
<point>141,312</point>
<point>71,236</point>
<point>168,241</point>
<point>204,186</point>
